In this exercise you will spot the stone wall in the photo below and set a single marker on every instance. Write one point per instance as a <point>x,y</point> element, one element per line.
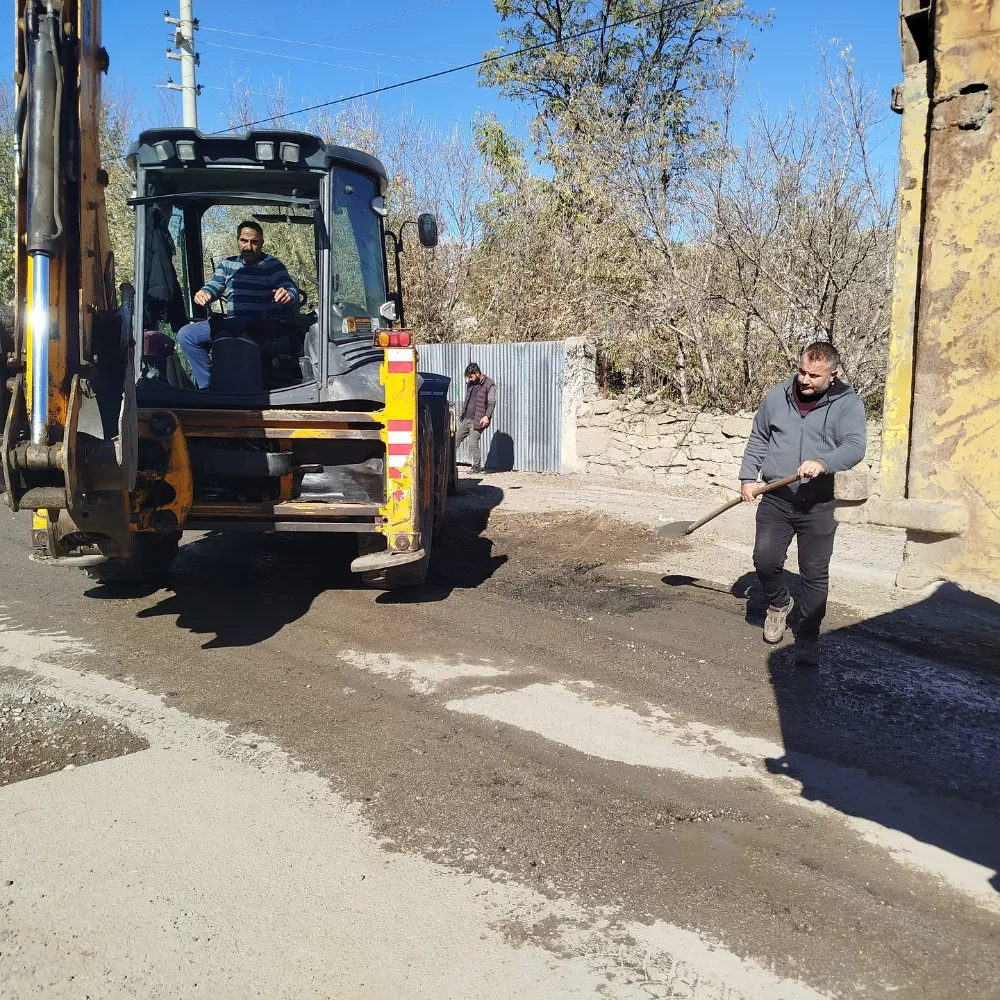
<point>649,440</point>
<point>579,385</point>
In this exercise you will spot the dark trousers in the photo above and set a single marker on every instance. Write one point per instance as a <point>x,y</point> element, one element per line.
<point>195,340</point>
<point>814,527</point>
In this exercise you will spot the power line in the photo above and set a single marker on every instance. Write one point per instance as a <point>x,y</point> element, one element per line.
<point>374,70</point>
<point>284,13</point>
<point>360,27</point>
<point>213,69</point>
<point>233,10</point>
<point>458,69</point>
<point>318,45</point>
<point>320,62</point>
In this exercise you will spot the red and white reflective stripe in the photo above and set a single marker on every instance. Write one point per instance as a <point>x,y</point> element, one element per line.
<point>399,360</point>
<point>399,442</point>
<point>400,432</point>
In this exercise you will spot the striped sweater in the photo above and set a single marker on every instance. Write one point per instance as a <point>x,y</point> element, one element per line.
<point>249,288</point>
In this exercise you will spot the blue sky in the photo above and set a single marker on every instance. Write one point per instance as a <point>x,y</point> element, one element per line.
<point>357,46</point>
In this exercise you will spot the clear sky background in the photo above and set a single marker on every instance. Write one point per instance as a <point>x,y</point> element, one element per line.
<point>321,49</point>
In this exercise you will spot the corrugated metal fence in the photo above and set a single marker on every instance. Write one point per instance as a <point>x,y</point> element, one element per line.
<point>526,431</point>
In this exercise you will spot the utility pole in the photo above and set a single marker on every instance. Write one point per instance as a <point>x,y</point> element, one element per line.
<point>185,26</point>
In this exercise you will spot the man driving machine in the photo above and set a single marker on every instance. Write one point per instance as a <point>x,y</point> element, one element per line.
<point>251,283</point>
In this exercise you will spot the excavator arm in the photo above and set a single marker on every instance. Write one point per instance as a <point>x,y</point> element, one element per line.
<point>69,447</point>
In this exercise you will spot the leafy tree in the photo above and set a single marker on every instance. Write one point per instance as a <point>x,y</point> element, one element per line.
<point>643,61</point>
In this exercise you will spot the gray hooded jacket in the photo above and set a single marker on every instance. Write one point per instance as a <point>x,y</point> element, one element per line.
<point>834,432</point>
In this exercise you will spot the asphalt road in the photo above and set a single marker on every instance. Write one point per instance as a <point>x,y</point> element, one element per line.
<point>543,777</point>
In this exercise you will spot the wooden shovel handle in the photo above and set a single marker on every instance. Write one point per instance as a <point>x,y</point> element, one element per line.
<point>766,488</point>
<point>776,485</point>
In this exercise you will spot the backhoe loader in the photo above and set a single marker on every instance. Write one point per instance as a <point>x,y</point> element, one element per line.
<point>318,420</point>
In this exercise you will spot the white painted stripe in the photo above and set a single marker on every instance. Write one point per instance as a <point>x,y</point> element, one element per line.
<point>399,354</point>
<point>423,676</point>
<point>614,732</point>
<point>400,437</point>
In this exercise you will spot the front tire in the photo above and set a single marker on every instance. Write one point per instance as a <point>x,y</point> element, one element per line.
<point>148,561</point>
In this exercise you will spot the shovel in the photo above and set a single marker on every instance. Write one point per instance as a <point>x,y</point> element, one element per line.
<point>678,529</point>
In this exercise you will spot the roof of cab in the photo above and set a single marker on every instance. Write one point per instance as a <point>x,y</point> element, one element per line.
<point>239,150</point>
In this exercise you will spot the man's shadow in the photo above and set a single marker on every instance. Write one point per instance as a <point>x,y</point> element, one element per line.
<point>500,457</point>
<point>900,722</point>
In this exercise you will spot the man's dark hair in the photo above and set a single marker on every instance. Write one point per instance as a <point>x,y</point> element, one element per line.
<point>251,224</point>
<point>472,369</point>
<point>823,351</point>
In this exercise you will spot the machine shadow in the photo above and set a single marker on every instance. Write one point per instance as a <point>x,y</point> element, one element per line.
<point>463,556</point>
<point>900,722</point>
<point>241,589</point>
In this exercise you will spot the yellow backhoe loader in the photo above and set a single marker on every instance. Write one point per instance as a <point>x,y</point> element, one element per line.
<point>317,419</point>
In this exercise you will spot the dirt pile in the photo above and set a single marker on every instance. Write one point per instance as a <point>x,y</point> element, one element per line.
<point>576,566</point>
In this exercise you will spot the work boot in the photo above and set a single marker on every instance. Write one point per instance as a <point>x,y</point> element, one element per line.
<point>806,653</point>
<point>774,623</point>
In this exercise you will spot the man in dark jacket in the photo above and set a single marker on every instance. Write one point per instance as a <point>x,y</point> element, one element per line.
<point>812,425</point>
<point>477,412</point>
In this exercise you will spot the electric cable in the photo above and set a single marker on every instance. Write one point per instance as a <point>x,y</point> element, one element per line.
<point>485,61</point>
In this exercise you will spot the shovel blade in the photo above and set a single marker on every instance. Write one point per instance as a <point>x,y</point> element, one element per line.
<point>676,529</point>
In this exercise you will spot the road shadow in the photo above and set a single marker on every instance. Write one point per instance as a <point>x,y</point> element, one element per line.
<point>899,724</point>
<point>241,589</point>
<point>463,556</point>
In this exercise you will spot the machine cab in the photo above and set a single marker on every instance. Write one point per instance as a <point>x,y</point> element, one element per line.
<point>321,213</point>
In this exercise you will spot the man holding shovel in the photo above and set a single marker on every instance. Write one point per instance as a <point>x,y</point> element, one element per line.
<point>810,426</point>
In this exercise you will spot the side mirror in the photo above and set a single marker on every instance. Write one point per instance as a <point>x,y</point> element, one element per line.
<point>388,311</point>
<point>427,230</point>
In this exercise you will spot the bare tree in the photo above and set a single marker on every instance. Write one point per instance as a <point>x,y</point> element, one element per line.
<point>701,266</point>
<point>798,218</point>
